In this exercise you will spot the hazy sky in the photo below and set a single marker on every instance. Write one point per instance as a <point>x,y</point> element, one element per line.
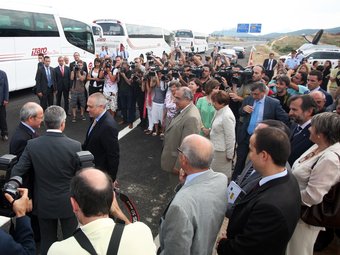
<point>208,16</point>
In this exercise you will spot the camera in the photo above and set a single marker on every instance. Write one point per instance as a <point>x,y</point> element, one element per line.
<point>107,64</point>
<point>132,65</point>
<point>76,68</point>
<point>7,184</point>
<point>84,159</point>
<point>149,55</point>
<point>197,71</point>
<point>235,77</point>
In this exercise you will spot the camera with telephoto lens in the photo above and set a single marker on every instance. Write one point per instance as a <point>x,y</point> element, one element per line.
<point>76,68</point>
<point>7,184</point>
<point>132,65</point>
<point>235,77</point>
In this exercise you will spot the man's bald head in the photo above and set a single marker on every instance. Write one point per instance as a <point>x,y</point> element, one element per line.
<point>92,189</point>
<point>198,150</point>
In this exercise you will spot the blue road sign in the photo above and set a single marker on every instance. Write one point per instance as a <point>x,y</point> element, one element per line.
<point>242,28</point>
<point>255,28</point>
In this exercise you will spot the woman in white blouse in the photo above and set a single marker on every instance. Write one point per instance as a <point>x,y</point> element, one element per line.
<point>316,171</point>
<point>222,134</point>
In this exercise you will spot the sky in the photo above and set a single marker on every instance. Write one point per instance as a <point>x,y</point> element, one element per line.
<point>207,16</point>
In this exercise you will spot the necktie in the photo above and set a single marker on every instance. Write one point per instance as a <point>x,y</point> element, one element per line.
<point>92,126</point>
<point>253,118</point>
<point>49,80</point>
<point>270,64</point>
<point>298,130</point>
<point>62,70</point>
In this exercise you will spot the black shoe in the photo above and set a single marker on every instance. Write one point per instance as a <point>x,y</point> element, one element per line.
<point>5,138</point>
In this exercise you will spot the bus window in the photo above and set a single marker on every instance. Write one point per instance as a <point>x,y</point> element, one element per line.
<point>78,34</point>
<point>184,34</point>
<point>111,28</point>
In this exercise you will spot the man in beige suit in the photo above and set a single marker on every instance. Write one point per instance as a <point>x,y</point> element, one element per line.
<point>187,122</point>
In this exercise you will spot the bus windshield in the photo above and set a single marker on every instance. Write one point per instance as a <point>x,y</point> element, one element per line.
<point>184,34</point>
<point>110,28</point>
<point>78,34</point>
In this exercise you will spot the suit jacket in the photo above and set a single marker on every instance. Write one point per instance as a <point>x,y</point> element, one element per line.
<point>299,144</point>
<point>186,123</point>
<point>4,89</point>
<point>222,134</point>
<point>272,110</point>
<point>63,82</point>
<point>19,139</point>
<point>42,82</point>
<point>22,241</point>
<point>264,220</point>
<point>266,64</point>
<point>195,215</point>
<point>102,142</point>
<point>53,158</point>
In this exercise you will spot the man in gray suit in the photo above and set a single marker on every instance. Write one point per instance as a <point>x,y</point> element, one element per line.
<point>186,122</point>
<point>191,221</point>
<point>53,158</point>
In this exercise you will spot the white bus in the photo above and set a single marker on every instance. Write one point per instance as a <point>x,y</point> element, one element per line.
<point>137,39</point>
<point>190,41</point>
<point>27,30</point>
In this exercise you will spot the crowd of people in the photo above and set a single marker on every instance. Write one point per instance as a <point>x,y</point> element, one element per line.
<point>253,144</point>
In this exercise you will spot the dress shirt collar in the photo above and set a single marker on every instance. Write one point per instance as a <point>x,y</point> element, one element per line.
<point>54,130</point>
<point>305,124</point>
<point>272,177</point>
<point>185,108</point>
<point>316,89</point>
<point>101,115</point>
<point>193,176</point>
<point>28,126</point>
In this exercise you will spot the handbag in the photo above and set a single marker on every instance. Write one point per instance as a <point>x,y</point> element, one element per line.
<point>327,213</point>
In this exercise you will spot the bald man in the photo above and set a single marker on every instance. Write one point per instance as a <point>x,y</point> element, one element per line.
<point>193,218</point>
<point>320,100</point>
<point>92,199</point>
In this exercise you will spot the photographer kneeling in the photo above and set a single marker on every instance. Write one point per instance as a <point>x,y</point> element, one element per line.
<point>22,241</point>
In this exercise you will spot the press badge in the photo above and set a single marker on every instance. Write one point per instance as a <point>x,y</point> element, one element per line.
<point>234,192</point>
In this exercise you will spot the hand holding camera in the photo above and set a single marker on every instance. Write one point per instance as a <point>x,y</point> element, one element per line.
<point>21,205</point>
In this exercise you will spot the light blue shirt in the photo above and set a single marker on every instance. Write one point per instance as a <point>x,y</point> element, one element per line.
<point>28,127</point>
<point>272,177</point>
<point>192,176</point>
<point>260,112</point>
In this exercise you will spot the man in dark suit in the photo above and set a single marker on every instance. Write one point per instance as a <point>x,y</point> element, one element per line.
<point>254,109</point>
<point>31,116</point>
<point>269,65</point>
<point>46,83</point>
<point>53,158</point>
<point>63,74</point>
<point>264,220</point>
<point>102,136</point>
<point>314,82</point>
<point>302,109</point>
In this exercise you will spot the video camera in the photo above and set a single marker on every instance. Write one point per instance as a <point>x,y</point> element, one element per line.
<point>8,185</point>
<point>235,77</point>
<point>149,55</point>
<point>84,159</point>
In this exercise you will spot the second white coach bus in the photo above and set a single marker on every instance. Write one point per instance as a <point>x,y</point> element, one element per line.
<point>190,41</point>
<point>27,30</point>
<point>137,39</point>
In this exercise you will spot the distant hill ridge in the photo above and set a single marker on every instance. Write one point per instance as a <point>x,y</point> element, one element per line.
<point>232,32</point>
